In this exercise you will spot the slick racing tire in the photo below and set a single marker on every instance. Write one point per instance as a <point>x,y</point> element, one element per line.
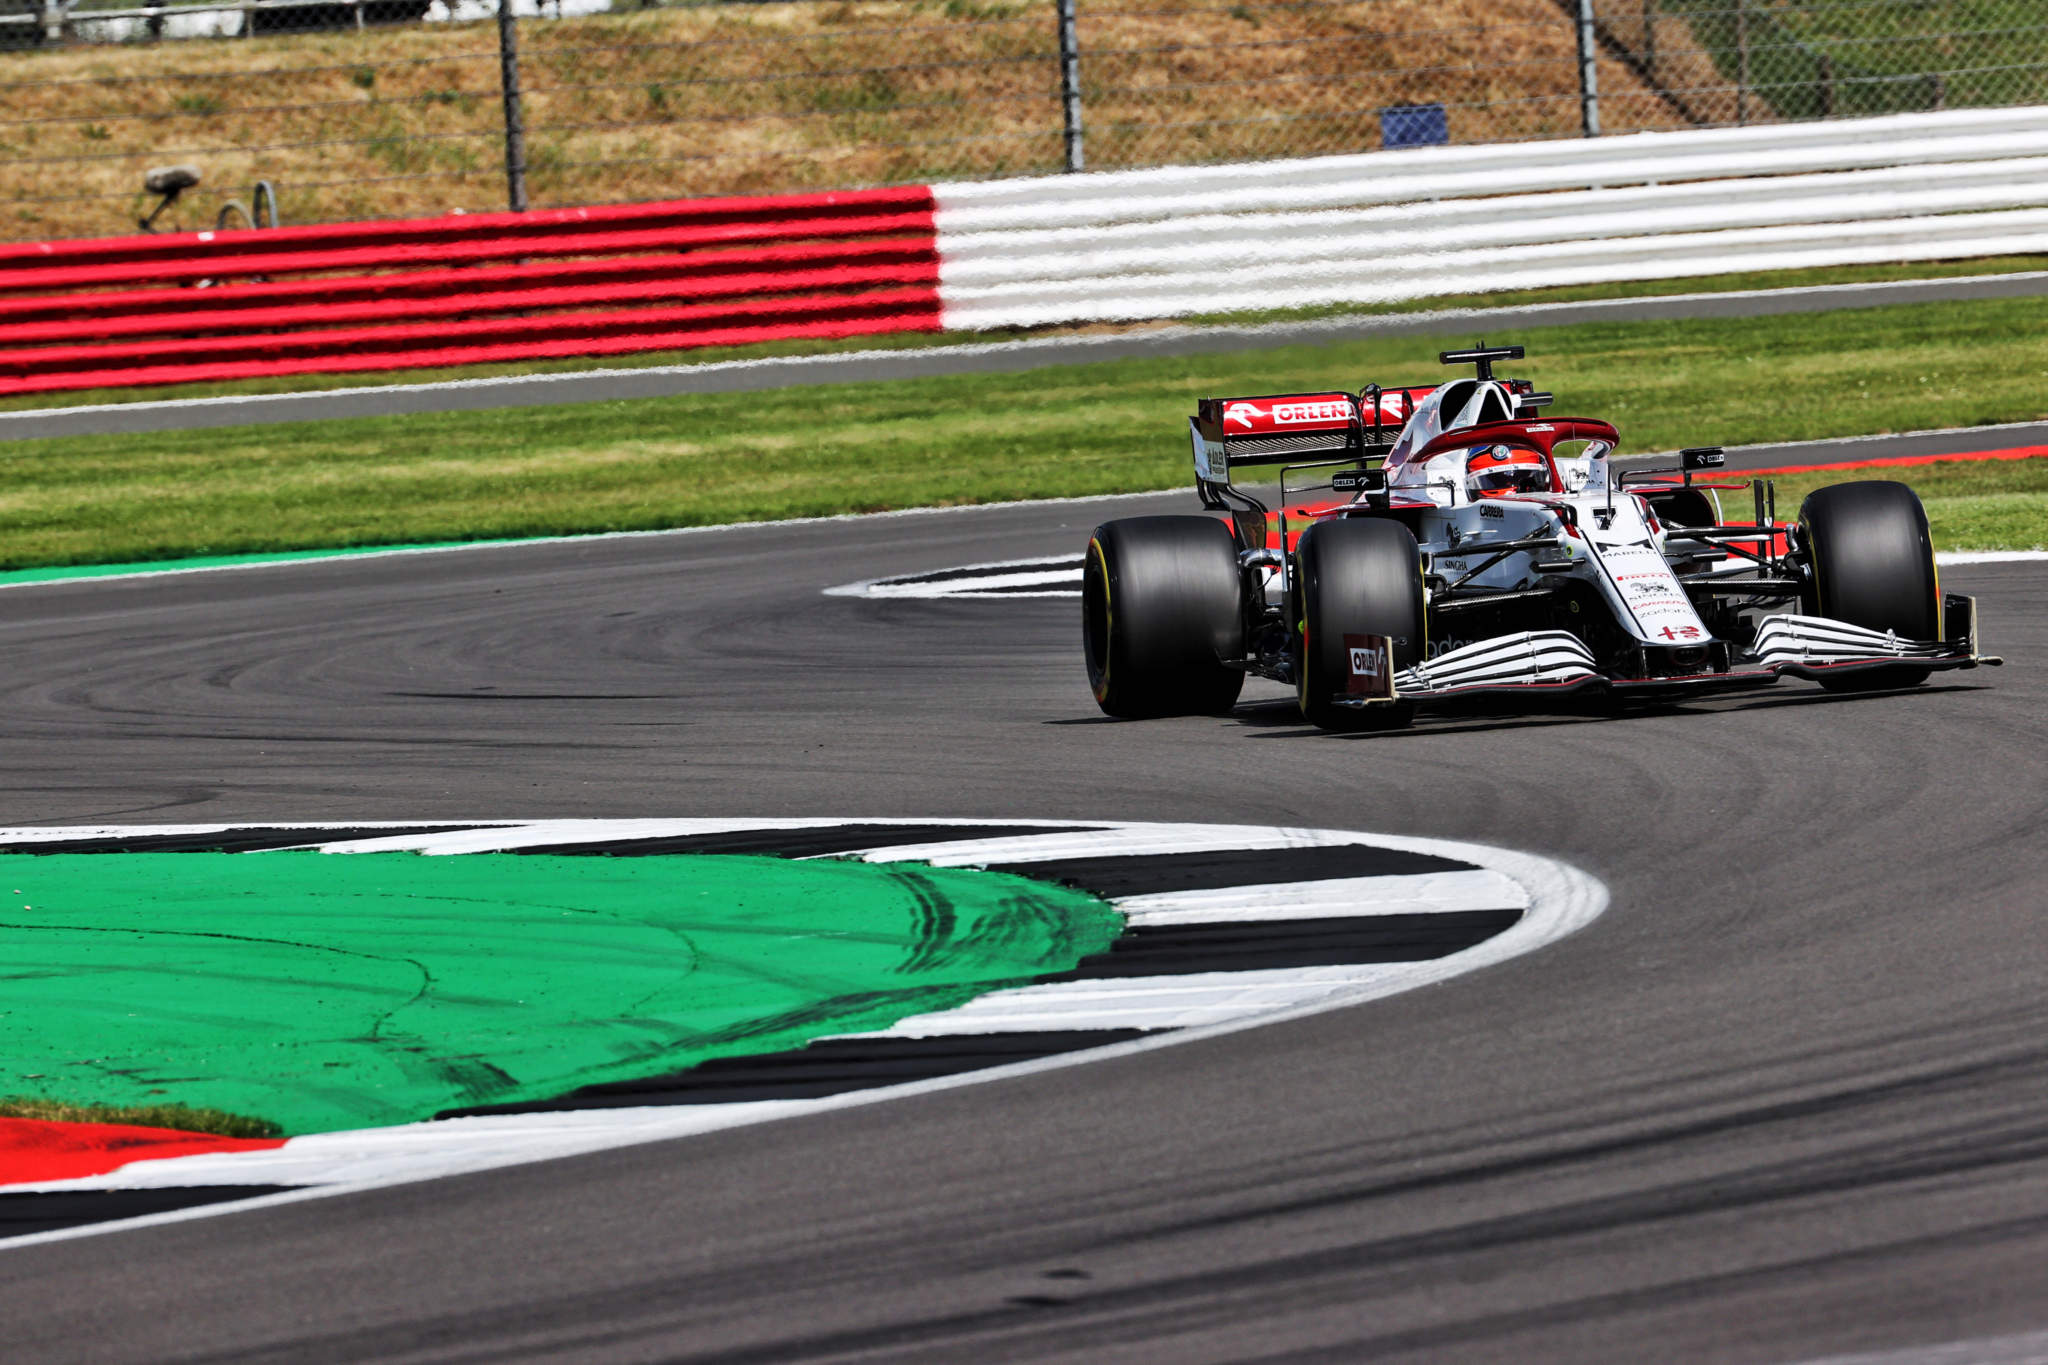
<point>1870,562</point>
<point>1162,608</point>
<point>1354,577</point>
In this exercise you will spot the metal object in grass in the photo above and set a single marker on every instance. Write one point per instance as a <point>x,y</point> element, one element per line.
<point>171,182</point>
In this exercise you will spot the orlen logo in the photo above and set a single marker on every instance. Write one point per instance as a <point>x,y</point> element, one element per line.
<point>1367,662</point>
<point>1317,411</point>
<point>1327,410</point>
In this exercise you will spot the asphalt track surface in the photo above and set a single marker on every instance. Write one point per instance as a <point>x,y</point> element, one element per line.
<point>1783,1100</point>
<point>747,376</point>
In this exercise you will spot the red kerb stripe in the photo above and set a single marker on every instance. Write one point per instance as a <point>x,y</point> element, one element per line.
<point>37,1150</point>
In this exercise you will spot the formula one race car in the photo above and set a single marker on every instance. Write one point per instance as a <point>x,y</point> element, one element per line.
<point>1467,546</point>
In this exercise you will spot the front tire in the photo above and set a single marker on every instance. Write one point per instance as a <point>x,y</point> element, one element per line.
<point>1870,562</point>
<point>1354,577</point>
<point>1162,608</point>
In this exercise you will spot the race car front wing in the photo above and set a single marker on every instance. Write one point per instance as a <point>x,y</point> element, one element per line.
<point>1557,661</point>
<point>1535,658</point>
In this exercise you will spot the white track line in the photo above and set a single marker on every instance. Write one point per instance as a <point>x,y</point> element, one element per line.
<point>972,580</point>
<point>540,833</point>
<point>1428,893</point>
<point>896,588</point>
<point>1191,1000</point>
<point>2027,1348</point>
<point>1113,841</point>
<point>1991,557</point>
<point>353,556</point>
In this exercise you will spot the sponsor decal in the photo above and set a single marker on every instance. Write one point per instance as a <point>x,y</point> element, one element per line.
<point>1321,410</point>
<point>1438,648</point>
<point>1371,666</point>
<point>1293,413</point>
<point>1489,510</point>
<point>1212,461</point>
<point>1646,584</point>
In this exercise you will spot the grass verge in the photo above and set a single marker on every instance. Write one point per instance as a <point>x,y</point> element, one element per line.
<point>1971,505</point>
<point>1699,284</point>
<point>1070,430</point>
<point>184,1118</point>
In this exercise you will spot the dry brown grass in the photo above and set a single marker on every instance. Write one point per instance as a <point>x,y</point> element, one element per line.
<point>181,1117</point>
<point>739,99</point>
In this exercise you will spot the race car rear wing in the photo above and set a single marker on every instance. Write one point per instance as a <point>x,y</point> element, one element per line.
<point>1232,434</point>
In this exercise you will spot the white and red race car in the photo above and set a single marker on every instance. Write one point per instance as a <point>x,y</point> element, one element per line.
<point>1463,544</point>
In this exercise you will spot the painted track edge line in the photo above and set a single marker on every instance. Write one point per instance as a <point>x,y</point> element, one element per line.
<point>289,561</point>
<point>1562,900</point>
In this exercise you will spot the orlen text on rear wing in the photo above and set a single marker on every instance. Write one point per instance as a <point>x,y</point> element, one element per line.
<point>1232,434</point>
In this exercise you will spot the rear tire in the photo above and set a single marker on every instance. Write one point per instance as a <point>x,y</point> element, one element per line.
<point>1354,577</point>
<point>1162,607</point>
<point>1870,562</point>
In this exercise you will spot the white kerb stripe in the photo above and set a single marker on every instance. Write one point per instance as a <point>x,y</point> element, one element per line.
<point>1144,1002</point>
<point>955,587</point>
<point>1124,841</point>
<point>1425,893</point>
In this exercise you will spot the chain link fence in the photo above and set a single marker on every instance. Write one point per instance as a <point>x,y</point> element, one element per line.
<point>388,108</point>
<point>1723,62</point>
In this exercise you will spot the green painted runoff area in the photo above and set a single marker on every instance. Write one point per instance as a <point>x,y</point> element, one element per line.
<point>330,991</point>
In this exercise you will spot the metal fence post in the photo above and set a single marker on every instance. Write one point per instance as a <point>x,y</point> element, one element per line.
<point>1070,82</point>
<point>1589,74</point>
<point>1741,61</point>
<point>515,124</point>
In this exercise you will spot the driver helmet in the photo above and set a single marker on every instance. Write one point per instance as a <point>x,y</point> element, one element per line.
<point>1493,470</point>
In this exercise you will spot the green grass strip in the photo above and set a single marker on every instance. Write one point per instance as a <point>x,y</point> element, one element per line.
<point>1104,428</point>
<point>328,991</point>
<point>1971,504</point>
<point>1888,273</point>
<point>182,1117</point>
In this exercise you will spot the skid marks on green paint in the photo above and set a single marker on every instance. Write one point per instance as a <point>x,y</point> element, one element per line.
<point>330,991</point>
